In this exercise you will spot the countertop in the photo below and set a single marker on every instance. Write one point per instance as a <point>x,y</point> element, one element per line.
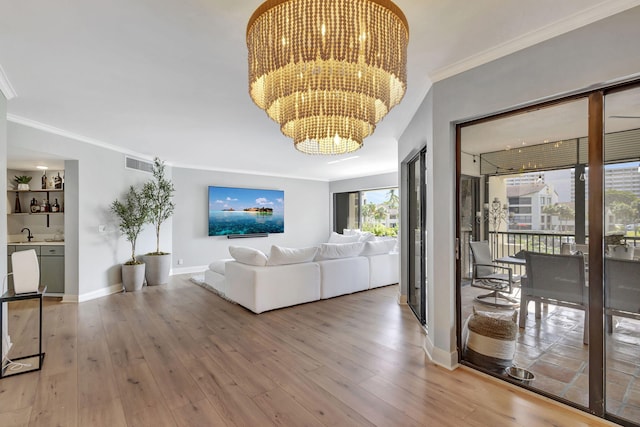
<point>37,243</point>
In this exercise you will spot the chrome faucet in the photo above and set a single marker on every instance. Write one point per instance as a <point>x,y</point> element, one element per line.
<point>29,235</point>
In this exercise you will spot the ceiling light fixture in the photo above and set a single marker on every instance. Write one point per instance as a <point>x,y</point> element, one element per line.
<point>327,71</point>
<point>42,167</point>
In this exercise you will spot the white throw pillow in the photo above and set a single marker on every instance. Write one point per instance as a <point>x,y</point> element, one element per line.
<point>339,250</point>
<point>366,236</point>
<point>249,256</point>
<point>284,256</point>
<point>378,247</point>
<point>339,238</point>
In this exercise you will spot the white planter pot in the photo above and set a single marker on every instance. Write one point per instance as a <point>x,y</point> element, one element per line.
<point>133,277</point>
<point>158,267</point>
<point>23,187</point>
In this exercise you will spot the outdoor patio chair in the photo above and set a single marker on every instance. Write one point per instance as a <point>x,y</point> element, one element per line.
<point>621,252</point>
<point>556,280</point>
<point>622,289</point>
<point>487,274</point>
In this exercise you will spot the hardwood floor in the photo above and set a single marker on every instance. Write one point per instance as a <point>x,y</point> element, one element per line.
<point>178,355</point>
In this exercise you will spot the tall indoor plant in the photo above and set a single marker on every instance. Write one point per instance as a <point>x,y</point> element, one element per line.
<point>132,214</point>
<point>158,194</point>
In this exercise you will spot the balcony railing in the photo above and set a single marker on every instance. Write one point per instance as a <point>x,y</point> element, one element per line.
<point>506,243</point>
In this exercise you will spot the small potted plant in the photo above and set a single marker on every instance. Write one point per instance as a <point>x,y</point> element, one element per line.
<point>23,182</point>
<point>158,194</point>
<point>132,213</point>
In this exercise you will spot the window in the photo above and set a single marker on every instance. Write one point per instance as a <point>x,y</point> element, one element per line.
<point>520,210</point>
<point>375,211</point>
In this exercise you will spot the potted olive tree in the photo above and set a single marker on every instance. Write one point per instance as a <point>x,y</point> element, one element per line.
<point>132,214</point>
<point>158,194</point>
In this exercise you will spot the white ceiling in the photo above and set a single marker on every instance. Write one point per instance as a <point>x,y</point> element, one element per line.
<point>561,122</point>
<point>169,78</point>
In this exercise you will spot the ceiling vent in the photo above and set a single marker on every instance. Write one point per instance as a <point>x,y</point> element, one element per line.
<point>137,164</point>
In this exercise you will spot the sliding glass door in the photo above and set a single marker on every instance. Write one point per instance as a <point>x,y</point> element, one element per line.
<point>621,215</point>
<point>561,213</point>
<point>416,290</point>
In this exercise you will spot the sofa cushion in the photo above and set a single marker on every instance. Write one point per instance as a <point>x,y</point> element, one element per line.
<point>339,250</point>
<point>217,266</point>
<point>384,269</point>
<point>266,288</point>
<point>363,236</point>
<point>284,256</point>
<point>378,247</point>
<point>339,238</point>
<point>249,256</point>
<point>343,276</point>
<point>366,236</point>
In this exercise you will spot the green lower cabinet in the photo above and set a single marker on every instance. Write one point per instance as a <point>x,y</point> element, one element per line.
<point>51,260</point>
<point>52,268</point>
<point>10,250</point>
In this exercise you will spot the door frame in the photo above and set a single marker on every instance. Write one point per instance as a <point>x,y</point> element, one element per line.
<point>420,156</point>
<point>596,122</point>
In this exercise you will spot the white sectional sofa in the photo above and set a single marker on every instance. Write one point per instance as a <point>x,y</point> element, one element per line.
<point>343,276</point>
<point>267,288</point>
<point>259,287</point>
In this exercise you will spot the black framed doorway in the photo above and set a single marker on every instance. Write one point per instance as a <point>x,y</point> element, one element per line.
<point>416,203</point>
<point>588,375</point>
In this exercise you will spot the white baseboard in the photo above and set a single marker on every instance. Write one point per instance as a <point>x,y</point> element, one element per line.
<point>70,298</point>
<point>402,299</point>
<point>188,270</point>
<point>113,289</point>
<point>448,360</point>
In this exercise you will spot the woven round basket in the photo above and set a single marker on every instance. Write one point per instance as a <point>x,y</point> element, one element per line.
<point>491,339</point>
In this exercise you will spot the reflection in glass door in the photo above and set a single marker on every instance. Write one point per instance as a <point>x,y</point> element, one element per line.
<point>535,252</point>
<point>417,246</point>
<point>470,221</point>
<point>621,213</point>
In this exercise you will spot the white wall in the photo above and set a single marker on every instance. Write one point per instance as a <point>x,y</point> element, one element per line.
<point>415,138</point>
<point>3,225</point>
<point>306,213</point>
<point>601,52</point>
<point>94,177</point>
<point>71,234</point>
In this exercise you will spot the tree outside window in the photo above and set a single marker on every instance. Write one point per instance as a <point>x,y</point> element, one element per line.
<point>380,211</point>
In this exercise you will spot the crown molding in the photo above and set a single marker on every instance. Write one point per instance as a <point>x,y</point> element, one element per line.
<point>57,131</point>
<point>570,23</point>
<point>247,172</point>
<point>5,86</point>
<point>71,135</point>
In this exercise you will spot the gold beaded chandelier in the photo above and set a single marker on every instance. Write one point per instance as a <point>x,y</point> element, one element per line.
<point>327,70</point>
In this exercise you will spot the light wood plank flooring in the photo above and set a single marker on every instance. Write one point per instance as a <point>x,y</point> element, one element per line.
<point>178,355</point>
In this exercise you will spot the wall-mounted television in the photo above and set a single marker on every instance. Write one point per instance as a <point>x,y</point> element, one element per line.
<point>245,211</point>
